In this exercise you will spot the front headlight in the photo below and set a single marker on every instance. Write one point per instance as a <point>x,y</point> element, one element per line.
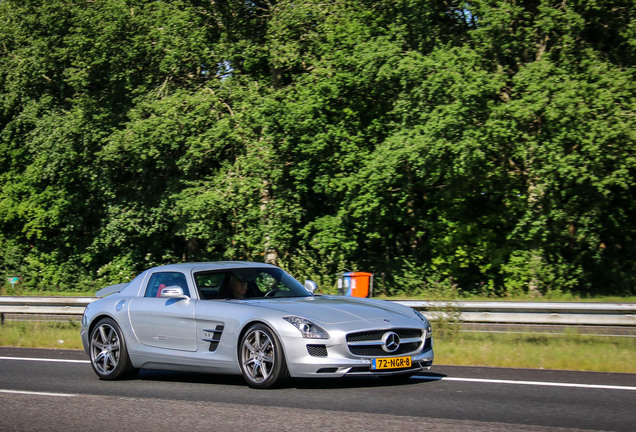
<point>419,314</point>
<point>308,329</point>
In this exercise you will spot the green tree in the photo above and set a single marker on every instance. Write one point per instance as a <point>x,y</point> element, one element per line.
<point>491,142</point>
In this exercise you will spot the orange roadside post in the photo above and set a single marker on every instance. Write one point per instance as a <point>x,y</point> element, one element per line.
<point>356,284</point>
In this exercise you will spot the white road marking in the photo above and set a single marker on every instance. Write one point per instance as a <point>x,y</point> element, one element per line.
<point>24,392</point>
<point>535,383</point>
<point>44,360</point>
<point>424,377</point>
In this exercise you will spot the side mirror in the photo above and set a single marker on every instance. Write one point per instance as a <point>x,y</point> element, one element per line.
<point>173,291</point>
<point>311,286</point>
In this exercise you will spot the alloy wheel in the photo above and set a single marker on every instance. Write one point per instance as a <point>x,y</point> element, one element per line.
<point>258,355</point>
<point>105,349</point>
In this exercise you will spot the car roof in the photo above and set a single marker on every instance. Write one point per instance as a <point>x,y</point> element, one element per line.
<point>212,265</point>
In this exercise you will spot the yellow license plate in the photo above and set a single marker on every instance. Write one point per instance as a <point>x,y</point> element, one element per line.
<point>390,363</point>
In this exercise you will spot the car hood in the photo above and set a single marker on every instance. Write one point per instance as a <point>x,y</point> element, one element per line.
<point>331,310</point>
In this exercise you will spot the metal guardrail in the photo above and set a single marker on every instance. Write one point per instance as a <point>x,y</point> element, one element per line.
<point>43,305</point>
<point>555,313</point>
<point>561,313</point>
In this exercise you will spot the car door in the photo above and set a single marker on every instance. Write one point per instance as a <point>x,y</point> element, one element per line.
<point>164,322</point>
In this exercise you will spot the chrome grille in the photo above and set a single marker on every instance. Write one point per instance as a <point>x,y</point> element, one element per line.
<point>377,351</point>
<point>376,335</point>
<point>370,343</point>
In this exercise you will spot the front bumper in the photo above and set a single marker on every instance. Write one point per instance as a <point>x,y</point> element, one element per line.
<point>339,362</point>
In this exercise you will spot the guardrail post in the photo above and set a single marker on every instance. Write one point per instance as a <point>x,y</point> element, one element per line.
<point>1,318</point>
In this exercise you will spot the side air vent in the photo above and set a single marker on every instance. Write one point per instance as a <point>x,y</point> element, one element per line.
<point>214,337</point>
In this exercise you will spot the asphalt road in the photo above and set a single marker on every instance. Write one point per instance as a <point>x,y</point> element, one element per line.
<point>56,390</point>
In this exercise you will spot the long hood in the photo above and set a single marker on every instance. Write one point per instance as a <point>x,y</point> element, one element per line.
<point>333,310</point>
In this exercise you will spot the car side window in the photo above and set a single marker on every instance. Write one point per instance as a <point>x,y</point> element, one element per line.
<point>210,284</point>
<point>159,281</point>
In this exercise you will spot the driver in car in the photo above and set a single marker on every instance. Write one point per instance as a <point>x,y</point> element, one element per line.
<point>238,287</point>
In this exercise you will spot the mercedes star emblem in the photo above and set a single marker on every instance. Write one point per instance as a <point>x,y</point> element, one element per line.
<point>391,342</point>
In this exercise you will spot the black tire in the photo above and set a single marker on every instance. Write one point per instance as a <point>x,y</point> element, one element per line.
<point>261,358</point>
<point>109,355</point>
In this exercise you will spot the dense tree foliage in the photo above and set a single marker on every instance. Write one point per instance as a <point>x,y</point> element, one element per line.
<point>489,145</point>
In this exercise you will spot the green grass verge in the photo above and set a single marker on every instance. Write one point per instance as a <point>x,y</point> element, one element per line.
<point>569,351</point>
<point>41,334</point>
<point>538,351</point>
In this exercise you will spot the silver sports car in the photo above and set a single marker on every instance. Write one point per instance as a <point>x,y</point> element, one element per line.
<point>251,319</point>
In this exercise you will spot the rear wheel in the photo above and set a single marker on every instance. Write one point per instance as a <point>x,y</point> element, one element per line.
<point>109,356</point>
<point>261,358</point>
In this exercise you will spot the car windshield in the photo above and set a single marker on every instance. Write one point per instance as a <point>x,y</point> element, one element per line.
<point>248,283</point>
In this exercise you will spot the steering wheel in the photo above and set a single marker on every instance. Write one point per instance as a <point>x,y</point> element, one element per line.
<point>272,292</point>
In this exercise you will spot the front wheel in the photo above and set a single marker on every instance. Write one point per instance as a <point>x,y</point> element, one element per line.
<point>261,358</point>
<point>109,356</point>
